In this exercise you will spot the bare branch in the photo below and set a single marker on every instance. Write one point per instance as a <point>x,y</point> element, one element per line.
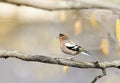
<point>65,4</point>
<point>99,76</point>
<point>60,61</point>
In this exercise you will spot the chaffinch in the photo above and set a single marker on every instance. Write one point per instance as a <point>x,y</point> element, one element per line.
<point>70,48</point>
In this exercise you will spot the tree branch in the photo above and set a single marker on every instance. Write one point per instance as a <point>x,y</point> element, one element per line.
<point>60,61</point>
<point>99,76</point>
<point>65,4</point>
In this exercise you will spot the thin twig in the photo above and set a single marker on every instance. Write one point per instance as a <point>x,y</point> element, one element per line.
<point>99,76</point>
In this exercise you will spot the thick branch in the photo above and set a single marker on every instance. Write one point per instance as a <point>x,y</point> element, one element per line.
<point>59,61</point>
<point>65,4</point>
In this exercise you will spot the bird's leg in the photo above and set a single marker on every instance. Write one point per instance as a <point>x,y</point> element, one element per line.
<point>70,58</point>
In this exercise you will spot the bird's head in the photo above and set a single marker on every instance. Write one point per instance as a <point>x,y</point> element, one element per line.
<point>62,36</point>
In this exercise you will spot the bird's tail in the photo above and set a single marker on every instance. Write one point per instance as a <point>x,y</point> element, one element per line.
<point>89,54</point>
<point>82,51</point>
<point>86,53</point>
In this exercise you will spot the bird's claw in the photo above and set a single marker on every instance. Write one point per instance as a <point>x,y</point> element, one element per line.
<point>70,58</point>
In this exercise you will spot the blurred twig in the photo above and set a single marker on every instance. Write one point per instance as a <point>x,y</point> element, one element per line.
<point>60,61</point>
<point>65,4</point>
<point>99,76</point>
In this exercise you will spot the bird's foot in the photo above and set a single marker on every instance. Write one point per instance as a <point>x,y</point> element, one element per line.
<point>70,58</point>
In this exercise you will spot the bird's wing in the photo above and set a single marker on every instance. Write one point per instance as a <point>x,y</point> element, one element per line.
<point>71,46</point>
<point>75,47</point>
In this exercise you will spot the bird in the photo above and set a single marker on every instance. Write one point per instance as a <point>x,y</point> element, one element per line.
<point>71,48</point>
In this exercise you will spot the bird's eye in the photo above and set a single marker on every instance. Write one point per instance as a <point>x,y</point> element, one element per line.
<point>61,34</point>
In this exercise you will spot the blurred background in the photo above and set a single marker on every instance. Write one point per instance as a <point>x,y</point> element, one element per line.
<point>34,31</point>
